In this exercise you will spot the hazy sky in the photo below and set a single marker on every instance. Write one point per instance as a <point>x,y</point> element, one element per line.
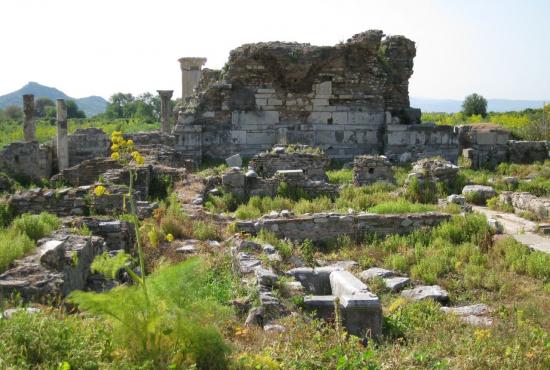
<point>499,48</point>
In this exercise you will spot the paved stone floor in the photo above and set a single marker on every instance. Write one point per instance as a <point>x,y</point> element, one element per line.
<point>521,229</point>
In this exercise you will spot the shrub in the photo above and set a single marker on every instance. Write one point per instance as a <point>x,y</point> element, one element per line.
<point>430,268</point>
<point>460,229</point>
<point>538,186</point>
<point>36,226</point>
<point>518,258</point>
<point>13,245</point>
<point>421,191</point>
<point>6,215</point>
<point>396,262</point>
<point>179,330</point>
<point>203,230</point>
<point>475,197</point>
<point>343,176</point>
<point>109,266</point>
<point>497,205</point>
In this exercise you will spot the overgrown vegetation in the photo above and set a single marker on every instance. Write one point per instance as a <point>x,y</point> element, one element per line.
<point>20,237</point>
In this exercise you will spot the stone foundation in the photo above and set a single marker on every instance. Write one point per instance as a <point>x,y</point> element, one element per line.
<point>27,160</point>
<point>326,227</point>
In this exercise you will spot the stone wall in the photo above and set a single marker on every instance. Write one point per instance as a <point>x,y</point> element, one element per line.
<point>245,185</point>
<point>528,151</point>
<point>313,165</point>
<point>88,143</point>
<point>407,143</point>
<point>368,169</point>
<point>26,160</point>
<point>325,227</point>
<point>523,201</point>
<point>86,172</point>
<point>339,98</point>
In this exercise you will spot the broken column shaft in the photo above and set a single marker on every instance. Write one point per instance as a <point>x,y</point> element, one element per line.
<point>62,138</point>
<point>191,72</point>
<point>165,110</point>
<point>28,123</point>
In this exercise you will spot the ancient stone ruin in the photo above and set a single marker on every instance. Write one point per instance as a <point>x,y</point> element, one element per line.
<point>368,169</point>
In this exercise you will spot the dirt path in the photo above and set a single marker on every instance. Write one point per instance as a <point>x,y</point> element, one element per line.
<point>524,231</point>
<point>188,190</point>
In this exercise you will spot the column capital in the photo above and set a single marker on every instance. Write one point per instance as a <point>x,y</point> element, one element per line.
<point>190,63</point>
<point>165,93</point>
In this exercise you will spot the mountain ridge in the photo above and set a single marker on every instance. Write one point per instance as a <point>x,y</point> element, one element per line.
<point>91,105</point>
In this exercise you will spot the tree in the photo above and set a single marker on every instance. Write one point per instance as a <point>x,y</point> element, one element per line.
<point>41,105</point>
<point>474,104</point>
<point>13,112</point>
<point>73,111</point>
<point>145,107</point>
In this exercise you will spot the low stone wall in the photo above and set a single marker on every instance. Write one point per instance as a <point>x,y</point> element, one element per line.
<point>368,169</point>
<point>86,172</point>
<point>407,143</point>
<point>76,202</point>
<point>27,160</point>
<point>313,165</point>
<point>524,201</point>
<point>151,138</point>
<point>324,227</point>
<point>245,185</point>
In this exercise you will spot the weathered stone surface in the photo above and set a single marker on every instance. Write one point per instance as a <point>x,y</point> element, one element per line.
<point>86,172</point>
<point>338,97</point>
<point>397,283</point>
<point>313,165</point>
<point>323,227</point>
<point>265,277</point>
<point>523,201</point>
<point>7,185</point>
<point>456,199</point>
<point>27,160</point>
<point>375,272</point>
<point>476,315</point>
<point>234,161</point>
<point>60,265</point>
<point>7,314</point>
<point>484,191</point>
<point>434,292</point>
<point>369,169</point>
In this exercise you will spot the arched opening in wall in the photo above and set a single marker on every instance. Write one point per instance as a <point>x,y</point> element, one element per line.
<point>371,170</point>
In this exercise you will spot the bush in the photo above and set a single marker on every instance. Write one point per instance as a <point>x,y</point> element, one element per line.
<point>36,226</point>
<point>6,215</point>
<point>495,204</point>
<point>178,329</point>
<point>475,197</point>
<point>518,258</point>
<point>45,340</point>
<point>461,229</point>
<point>421,191</point>
<point>13,245</point>
<point>343,176</point>
<point>538,186</point>
<point>203,230</point>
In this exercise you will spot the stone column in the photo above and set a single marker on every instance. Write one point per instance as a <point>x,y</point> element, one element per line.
<point>62,138</point>
<point>28,123</point>
<point>190,74</point>
<point>165,110</point>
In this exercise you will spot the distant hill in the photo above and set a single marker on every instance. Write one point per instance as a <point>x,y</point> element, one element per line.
<point>493,105</point>
<point>91,105</point>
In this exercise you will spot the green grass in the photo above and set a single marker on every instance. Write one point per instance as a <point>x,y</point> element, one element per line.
<point>401,206</point>
<point>20,237</point>
<point>13,131</point>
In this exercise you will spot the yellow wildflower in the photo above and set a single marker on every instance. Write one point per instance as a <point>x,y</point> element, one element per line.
<point>169,238</point>
<point>140,161</point>
<point>130,142</point>
<point>100,190</point>
<point>115,147</point>
<point>115,156</point>
<point>481,334</point>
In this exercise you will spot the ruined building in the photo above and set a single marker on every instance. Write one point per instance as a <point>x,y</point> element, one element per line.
<point>348,99</point>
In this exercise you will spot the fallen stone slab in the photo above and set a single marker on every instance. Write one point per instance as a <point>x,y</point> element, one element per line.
<point>7,314</point>
<point>375,272</point>
<point>434,292</point>
<point>265,277</point>
<point>397,283</point>
<point>234,161</point>
<point>476,310</point>
<point>484,191</point>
